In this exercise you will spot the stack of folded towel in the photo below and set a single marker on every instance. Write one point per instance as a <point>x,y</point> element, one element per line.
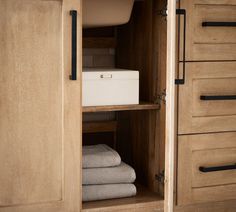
<point>105,176</point>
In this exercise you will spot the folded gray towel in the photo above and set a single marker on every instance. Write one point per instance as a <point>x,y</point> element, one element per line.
<point>101,155</point>
<point>111,191</point>
<point>109,175</point>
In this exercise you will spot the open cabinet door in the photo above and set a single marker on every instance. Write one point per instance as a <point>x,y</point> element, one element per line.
<point>40,115</point>
<point>170,106</point>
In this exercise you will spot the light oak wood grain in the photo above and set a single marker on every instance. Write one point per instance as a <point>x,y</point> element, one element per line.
<point>170,107</point>
<point>207,150</point>
<point>40,124</point>
<point>228,206</point>
<point>209,78</point>
<point>209,43</point>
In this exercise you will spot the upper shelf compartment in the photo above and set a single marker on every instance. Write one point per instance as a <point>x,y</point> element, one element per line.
<point>101,13</point>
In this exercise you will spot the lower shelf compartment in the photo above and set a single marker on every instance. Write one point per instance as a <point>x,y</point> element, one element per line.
<point>145,200</point>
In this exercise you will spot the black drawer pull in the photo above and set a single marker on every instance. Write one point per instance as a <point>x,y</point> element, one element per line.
<point>217,98</point>
<point>217,168</point>
<point>73,76</point>
<point>219,24</point>
<point>182,12</point>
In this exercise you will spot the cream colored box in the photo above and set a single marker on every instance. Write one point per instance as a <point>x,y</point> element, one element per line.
<point>110,87</point>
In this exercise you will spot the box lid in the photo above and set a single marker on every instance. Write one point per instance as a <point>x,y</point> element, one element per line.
<point>109,73</point>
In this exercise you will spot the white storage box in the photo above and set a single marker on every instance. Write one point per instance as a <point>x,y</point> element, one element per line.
<point>110,87</point>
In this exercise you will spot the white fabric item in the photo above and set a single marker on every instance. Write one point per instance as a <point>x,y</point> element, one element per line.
<point>98,156</point>
<point>109,175</point>
<point>111,191</point>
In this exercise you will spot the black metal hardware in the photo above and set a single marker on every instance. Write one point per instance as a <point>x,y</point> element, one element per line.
<point>163,12</point>
<point>182,12</point>
<point>161,98</point>
<point>161,177</point>
<point>217,168</point>
<point>219,24</point>
<point>73,76</point>
<point>217,98</point>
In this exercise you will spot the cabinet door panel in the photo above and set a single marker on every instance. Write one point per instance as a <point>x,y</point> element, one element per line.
<point>33,88</point>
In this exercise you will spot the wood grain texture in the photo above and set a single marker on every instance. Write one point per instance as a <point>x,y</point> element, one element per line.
<point>30,121</point>
<point>135,48</point>
<point>159,59</point>
<point>206,150</point>
<point>94,127</point>
<point>195,190</point>
<point>100,127</point>
<point>228,206</point>
<point>141,106</point>
<point>135,42</point>
<point>209,78</point>
<point>170,107</point>
<point>40,135</point>
<point>209,43</point>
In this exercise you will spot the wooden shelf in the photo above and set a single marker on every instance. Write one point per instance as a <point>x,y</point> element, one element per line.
<point>141,106</point>
<point>145,200</point>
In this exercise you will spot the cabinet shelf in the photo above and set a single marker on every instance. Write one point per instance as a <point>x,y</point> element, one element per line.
<point>110,108</point>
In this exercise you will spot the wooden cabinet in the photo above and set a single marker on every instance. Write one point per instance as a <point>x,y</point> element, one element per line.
<point>39,107</point>
<point>206,132</point>
<point>210,30</point>
<point>207,100</point>
<point>206,168</point>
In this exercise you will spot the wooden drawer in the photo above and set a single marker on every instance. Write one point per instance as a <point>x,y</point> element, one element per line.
<point>208,81</point>
<point>207,43</point>
<point>211,152</point>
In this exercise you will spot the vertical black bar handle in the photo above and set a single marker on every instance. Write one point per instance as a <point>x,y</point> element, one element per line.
<point>73,76</point>
<point>182,12</point>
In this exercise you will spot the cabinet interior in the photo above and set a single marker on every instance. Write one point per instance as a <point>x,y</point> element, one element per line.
<point>137,132</point>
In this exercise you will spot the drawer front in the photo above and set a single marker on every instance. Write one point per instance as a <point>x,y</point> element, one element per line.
<point>207,100</point>
<point>206,168</point>
<point>207,43</point>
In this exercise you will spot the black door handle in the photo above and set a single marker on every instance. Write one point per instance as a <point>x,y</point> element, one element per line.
<point>73,75</point>
<point>182,12</point>
<point>217,168</point>
<point>218,24</point>
<point>217,98</point>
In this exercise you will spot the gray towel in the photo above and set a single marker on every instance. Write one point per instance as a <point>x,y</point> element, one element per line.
<point>109,175</point>
<point>111,191</point>
<point>100,156</point>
